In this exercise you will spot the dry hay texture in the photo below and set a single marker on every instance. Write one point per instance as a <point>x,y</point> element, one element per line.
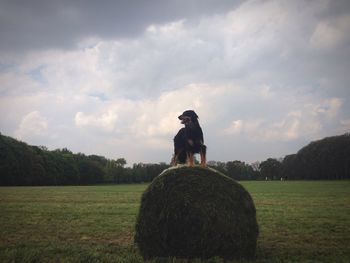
<point>195,212</point>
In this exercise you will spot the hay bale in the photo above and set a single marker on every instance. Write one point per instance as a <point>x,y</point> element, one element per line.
<point>195,212</point>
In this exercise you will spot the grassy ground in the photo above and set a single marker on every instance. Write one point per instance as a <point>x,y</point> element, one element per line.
<point>299,222</point>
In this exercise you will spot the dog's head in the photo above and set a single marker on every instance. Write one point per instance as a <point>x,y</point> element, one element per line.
<point>188,117</point>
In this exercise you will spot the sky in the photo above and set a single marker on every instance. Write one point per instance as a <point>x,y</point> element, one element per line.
<point>266,77</point>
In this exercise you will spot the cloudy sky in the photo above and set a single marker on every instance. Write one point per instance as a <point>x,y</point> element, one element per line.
<point>110,77</point>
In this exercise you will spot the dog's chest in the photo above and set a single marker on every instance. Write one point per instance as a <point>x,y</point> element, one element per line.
<point>193,132</point>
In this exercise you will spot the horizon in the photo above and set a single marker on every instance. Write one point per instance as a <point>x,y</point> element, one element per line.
<point>280,159</point>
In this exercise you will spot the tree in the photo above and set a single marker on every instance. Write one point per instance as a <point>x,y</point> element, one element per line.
<point>90,172</point>
<point>271,169</point>
<point>121,162</point>
<point>235,169</point>
<point>328,158</point>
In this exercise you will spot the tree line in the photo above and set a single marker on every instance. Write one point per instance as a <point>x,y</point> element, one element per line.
<point>22,164</point>
<point>328,158</point>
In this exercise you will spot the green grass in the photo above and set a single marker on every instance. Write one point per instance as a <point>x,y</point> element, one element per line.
<point>302,221</point>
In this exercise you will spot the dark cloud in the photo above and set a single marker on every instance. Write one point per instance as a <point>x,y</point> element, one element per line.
<point>338,7</point>
<point>60,24</point>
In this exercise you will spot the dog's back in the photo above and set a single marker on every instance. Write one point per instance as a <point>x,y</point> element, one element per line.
<point>180,145</point>
<point>194,134</point>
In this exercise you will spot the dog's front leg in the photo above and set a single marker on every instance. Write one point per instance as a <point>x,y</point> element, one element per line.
<point>174,160</point>
<point>203,153</point>
<point>203,159</point>
<point>190,159</point>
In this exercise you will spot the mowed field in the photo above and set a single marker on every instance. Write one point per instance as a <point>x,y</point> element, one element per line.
<point>299,221</point>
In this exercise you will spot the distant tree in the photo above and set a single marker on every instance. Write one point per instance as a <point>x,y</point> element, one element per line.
<point>255,166</point>
<point>101,160</point>
<point>90,172</point>
<point>68,170</point>
<point>119,170</point>
<point>211,163</point>
<point>235,169</point>
<point>328,158</point>
<point>240,171</point>
<point>293,167</point>
<point>121,162</point>
<point>22,164</point>
<point>63,151</point>
<point>271,169</point>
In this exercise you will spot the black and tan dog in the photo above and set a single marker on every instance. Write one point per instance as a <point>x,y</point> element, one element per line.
<point>189,140</point>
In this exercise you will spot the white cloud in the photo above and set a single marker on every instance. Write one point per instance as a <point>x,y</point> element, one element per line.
<point>173,29</point>
<point>235,127</point>
<point>17,83</point>
<point>332,106</point>
<point>331,33</point>
<point>345,126</point>
<point>293,125</point>
<point>105,121</point>
<point>32,124</point>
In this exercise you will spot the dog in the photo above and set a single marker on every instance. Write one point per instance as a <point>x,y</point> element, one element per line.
<point>189,140</point>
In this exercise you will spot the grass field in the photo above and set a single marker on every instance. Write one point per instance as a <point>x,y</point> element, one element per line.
<point>299,222</point>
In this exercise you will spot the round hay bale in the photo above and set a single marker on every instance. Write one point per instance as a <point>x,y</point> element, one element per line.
<point>195,212</point>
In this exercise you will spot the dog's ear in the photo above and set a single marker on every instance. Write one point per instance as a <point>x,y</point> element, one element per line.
<point>193,115</point>
<point>190,113</point>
